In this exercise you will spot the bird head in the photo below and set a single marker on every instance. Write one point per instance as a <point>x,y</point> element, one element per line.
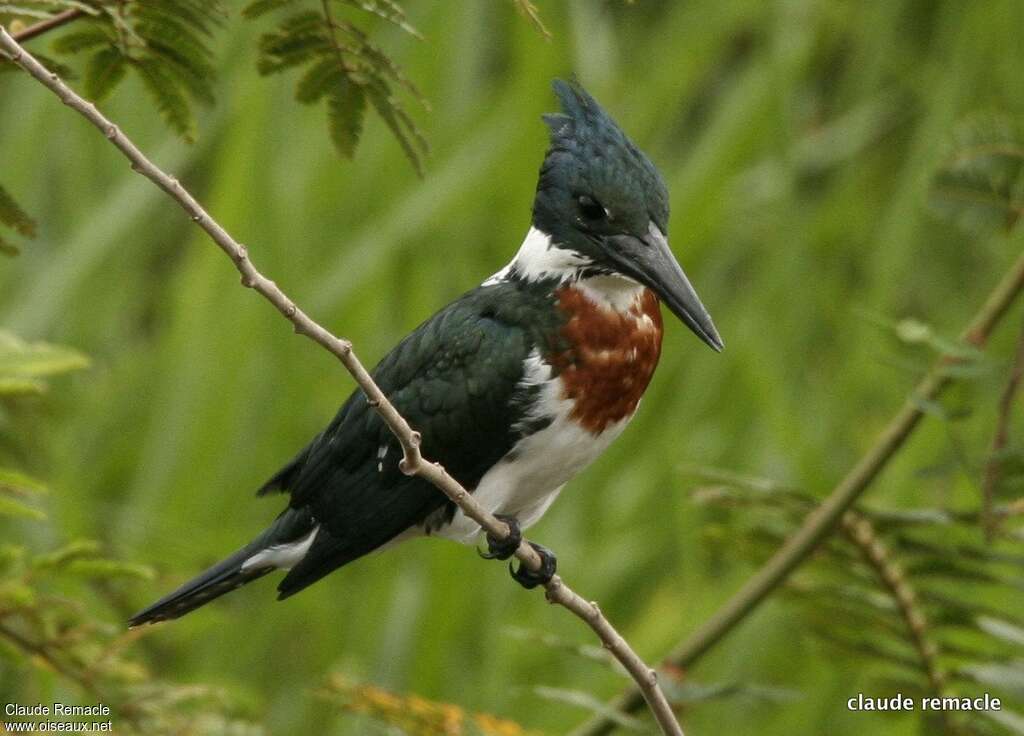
<point>601,198</point>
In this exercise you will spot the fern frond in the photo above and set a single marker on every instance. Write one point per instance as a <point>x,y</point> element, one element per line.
<point>387,108</point>
<point>105,69</point>
<point>262,7</point>
<point>72,43</point>
<point>386,9</point>
<point>299,39</point>
<point>375,62</point>
<point>317,81</point>
<point>345,67</point>
<point>184,56</point>
<point>303,23</point>
<point>346,108</point>
<point>981,184</point>
<point>167,95</point>
<point>12,215</point>
<point>915,593</point>
<point>200,19</point>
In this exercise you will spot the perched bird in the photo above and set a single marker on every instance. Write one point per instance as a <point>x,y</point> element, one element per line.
<point>516,386</point>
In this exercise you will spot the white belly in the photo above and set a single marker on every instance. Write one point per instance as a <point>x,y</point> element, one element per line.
<point>527,480</point>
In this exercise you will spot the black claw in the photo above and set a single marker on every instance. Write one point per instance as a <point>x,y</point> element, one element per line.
<point>530,579</point>
<point>502,549</point>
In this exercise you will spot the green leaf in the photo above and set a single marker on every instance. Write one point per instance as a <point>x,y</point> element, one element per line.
<point>386,107</point>
<point>300,24</point>
<point>286,49</point>
<point>981,184</point>
<point>62,555</point>
<point>72,43</point>
<point>22,10</point>
<point>1001,629</point>
<point>1008,676</point>
<point>198,18</point>
<point>346,109</point>
<point>14,387</point>
<point>15,593</point>
<point>590,652</point>
<point>169,99</point>
<point>318,81</point>
<point>695,692</point>
<point>11,556</point>
<point>105,69</point>
<point>12,481</point>
<point>14,508</point>
<point>262,7</point>
<point>589,702</point>
<point>21,360</point>
<point>189,69</point>
<point>387,10</point>
<point>8,249</point>
<point>14,216</point>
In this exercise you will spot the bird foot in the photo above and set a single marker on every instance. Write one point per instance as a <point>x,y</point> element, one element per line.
<point>502,549</point>
<point>530,579</point>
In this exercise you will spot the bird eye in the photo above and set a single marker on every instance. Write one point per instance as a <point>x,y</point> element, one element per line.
<point>591,209</point>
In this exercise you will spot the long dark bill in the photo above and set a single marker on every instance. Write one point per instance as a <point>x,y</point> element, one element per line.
<point>649,260</point>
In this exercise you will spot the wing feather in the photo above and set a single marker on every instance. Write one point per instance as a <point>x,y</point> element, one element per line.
<point>457,379</point>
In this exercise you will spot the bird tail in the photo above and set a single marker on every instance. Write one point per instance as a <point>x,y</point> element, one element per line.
<point>222,578</point>
<point>287,538</point>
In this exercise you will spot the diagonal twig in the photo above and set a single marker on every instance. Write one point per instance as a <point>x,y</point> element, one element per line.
<point>37,29</point>
<point>413,462</point>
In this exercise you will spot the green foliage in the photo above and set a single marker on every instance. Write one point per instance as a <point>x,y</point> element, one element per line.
<point>164,41</point>
<point>52,624</point>
<point>46,630</point>
<point>981,184</point>
<point>909,591</point>
<point>167,44</point>
<point>17,491</point>
<point>13,216</point>
<point>24,365</point>
<point>105,69</point>
<point>343,65</point>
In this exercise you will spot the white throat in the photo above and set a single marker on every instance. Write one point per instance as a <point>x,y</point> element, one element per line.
<point>538,258</point>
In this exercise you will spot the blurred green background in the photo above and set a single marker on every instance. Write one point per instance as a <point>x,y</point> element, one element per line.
<point>798,139</point>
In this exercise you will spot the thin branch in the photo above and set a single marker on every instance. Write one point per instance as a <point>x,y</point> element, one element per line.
<point>413,462</point>
<point>819,523</point>
<point>861,533</point>
<point>37,29</point>
<point>994,466</point>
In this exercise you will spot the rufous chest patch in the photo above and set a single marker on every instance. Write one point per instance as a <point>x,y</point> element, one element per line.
<point>605,357</point>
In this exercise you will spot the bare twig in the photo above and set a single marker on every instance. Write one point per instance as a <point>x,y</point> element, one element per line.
<point>37,29</point>
<point>819,523</point>
<point>413,462</point>
<point>994,466</point>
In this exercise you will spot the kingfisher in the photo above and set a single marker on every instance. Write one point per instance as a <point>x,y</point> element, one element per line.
<point>515,387</point>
